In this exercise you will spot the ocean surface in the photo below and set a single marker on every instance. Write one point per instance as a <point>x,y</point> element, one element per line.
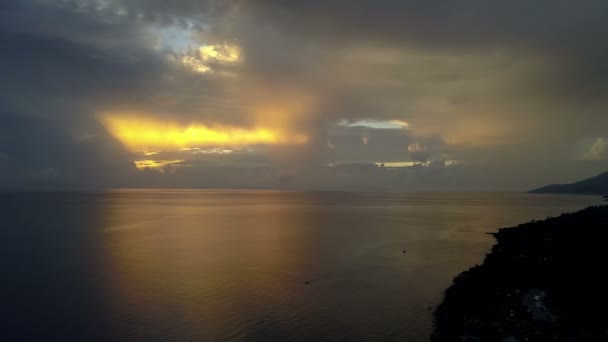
<point>192,265</point>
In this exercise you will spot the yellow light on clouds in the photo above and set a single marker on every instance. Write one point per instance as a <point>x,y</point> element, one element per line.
<point>154,164</point>
<point>203,58</point>
<point>221,53</point>
<point>146,134</point>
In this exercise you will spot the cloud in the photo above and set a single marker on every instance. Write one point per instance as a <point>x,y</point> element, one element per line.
<point>42,153</point>
<point>491,84</point>
<point>598,151</point>
<point>418,152</point>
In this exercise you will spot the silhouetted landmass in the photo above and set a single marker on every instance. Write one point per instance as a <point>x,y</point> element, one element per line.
<point>543,281</point>
<point>597,185</point>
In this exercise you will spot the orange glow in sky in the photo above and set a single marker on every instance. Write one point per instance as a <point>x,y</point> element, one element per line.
<point>143,134</point>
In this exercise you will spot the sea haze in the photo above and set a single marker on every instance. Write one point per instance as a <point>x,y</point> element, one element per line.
<point>244,265</point>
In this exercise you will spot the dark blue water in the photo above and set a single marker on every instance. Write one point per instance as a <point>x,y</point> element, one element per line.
<point>233,265</point>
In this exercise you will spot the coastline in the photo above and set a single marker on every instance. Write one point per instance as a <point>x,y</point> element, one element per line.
<point>542,281</point>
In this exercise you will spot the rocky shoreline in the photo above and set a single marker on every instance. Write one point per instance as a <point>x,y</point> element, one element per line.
<point>542,281</point>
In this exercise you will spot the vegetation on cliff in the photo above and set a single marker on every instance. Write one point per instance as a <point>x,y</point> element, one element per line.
<point>543,281</point>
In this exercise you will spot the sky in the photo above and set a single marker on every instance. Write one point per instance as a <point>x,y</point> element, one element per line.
<point>385,95</point>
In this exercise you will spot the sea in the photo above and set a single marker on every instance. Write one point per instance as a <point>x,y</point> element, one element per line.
<point>243,265</point>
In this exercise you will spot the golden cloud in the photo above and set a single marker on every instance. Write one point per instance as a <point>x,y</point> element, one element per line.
<point>147,134</point>
<point>204,57</point>
<point>155,164</point>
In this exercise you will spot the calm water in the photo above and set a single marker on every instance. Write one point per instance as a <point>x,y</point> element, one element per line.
<point>233,265</point>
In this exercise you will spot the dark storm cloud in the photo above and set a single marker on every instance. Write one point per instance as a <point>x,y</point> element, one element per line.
<point>445,25</point>
<point>40,153</point>
<point>60,70</point>
<point>75,52</point>
<point>70,59</point>
<point>571,33</point>
<point>52,82</point>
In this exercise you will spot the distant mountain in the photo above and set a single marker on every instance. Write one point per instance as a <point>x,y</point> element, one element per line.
<point>594,185</point>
